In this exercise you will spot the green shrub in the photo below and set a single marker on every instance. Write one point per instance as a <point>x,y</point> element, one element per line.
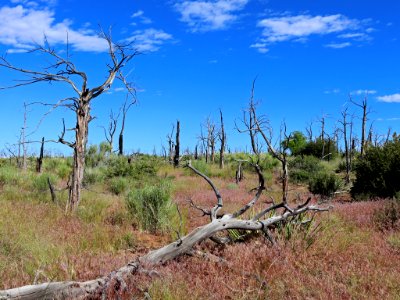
<point>302,169</point>
<point>201,166</point>
<point>118,185</point>
<point>324,184</point>
<point>40,184</point>
<point>139,167</point>
<point>151,206</point>
<point>63,171</point>
<point>92,176</point>
<point>378,172</point>
<point>388,216</point>
<point>9,176</point>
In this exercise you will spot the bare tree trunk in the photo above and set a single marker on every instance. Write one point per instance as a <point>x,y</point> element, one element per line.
<point>223,142</point>
<point>364,107</point>
<point>346,145</point>
<point>177,145</point>
<point>39,160</point>
<point>81,134</point>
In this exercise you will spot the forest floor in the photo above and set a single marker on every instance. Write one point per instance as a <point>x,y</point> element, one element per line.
<point>342,255</point>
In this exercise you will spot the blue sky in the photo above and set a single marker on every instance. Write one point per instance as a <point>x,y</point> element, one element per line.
<point>200,56</point>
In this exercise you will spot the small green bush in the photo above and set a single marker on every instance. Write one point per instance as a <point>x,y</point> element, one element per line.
<point>118,185</point>
<point>387,217</point>
<point>201,166</point>
<point>139,167</point>
<point>302,169</point>
<point>151,206</point>
<point>40,184</point>
<point>92,176</point>
<point>63,171</point>
<point>9,176</point>
<point>378,172</point>
<point>324,184</point>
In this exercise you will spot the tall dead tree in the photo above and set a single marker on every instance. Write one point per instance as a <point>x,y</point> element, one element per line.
<point>364,106</point>
<point>124,110</point>
<point>211,139</point>
<point>222,138</point>
<point>65,71</point>
<point>346,142</point>
<point>177,145</point>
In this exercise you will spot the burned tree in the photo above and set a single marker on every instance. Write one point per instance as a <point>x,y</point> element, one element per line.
<point>222,138</point>
<point>177,145</point>
<point>124,109</point>
<point>65,71</point>
<point>39,160</point>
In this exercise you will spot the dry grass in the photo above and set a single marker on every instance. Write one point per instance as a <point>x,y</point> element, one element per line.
<point>348,257</point>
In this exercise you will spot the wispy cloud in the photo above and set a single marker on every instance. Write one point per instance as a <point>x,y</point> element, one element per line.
<point>334,91</point>
<point>22,27</point>
<point>300,28</point>
<point>393,98</point>
<point>364,92</point>
<point>141,17</point>
<point>338,45</point>
<point>149,40</point>
<point>209,15</point>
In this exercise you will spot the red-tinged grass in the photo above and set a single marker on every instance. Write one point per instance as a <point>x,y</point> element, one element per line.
<point>347,258</point>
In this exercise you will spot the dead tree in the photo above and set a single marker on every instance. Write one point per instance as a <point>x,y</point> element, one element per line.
<point>364,106</point>
<point>64,70</point>
<point>264,221</point>
<point>124,109</point>
<point>222,138</point>
<point>211,139</point>
<point>177,145</point>
<point>39,160</point>
<point>110,131</point>
<point>346,143</point>
<point>171,145</point>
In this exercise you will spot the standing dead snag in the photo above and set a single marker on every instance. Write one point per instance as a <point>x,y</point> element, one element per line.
<point>64,70</point>
<point>364,106</point>
<point>39,160</point>
<point>124,109</point>
<point>222,138</point>
<point>177,145</point>
<point>98,288</point>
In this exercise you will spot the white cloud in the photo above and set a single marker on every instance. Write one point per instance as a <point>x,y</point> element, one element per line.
<point>261,47</point>
<point>334,91</point>
<point>137,14</point>
<point>149,40</point>
<point>289,27</point>
<point>300,28</point>
<point>140,15</point>
<point>394,98</point>
<point>364,92</point>
<point>338,45</point>
<point>22,27</point>
<point>357,36</point>
<point>209,15</point>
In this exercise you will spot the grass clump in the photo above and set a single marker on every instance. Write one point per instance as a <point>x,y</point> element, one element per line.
<point>118,185</point>
<point>151,206</point>
<point>387,217</point>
